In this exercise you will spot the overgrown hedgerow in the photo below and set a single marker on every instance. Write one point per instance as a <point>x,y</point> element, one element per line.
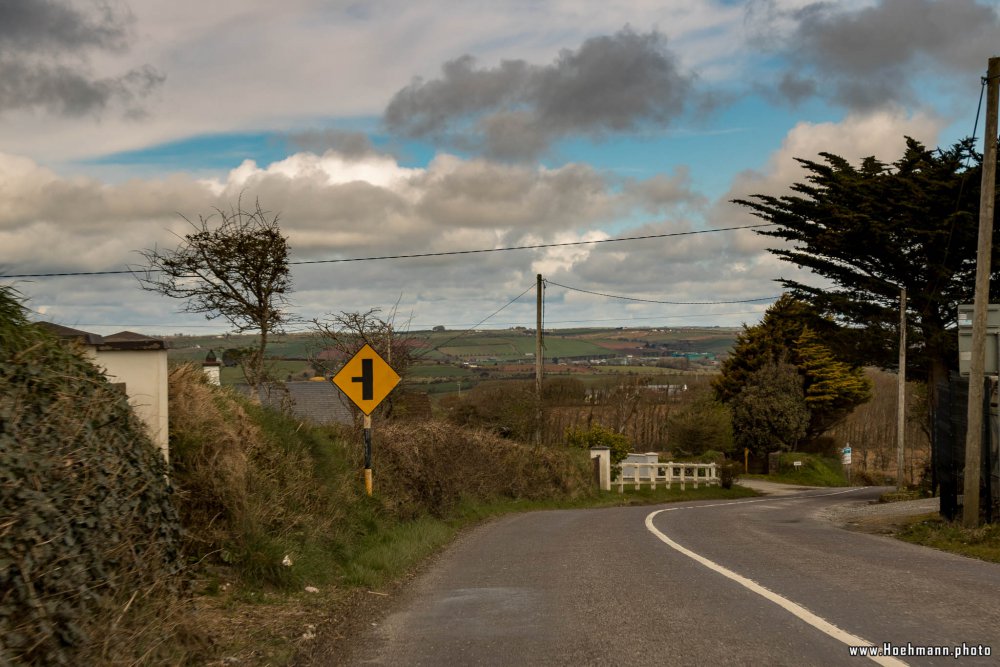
<point>429,467</point>
<point>89,537</point>
<point>254,486</point>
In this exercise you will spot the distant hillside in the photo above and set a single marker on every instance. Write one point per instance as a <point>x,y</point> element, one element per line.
<point>504,345</point>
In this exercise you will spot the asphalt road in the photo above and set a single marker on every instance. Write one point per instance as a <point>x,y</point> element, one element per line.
<point>763,581</point>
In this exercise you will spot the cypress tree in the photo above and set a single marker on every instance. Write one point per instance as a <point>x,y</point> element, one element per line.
<point>869,230</point>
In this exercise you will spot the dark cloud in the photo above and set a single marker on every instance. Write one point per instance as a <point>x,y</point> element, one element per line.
<point>796,88</point>
<point>870,57</point>
<point>664,192</point>
<point>346,143</point>
<point>39,25</point>
<point>65,90</point>
<point>617,83</point>
<point>43,44</point>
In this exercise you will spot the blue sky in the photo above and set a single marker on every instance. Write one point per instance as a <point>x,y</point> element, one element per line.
<point>385,128</point>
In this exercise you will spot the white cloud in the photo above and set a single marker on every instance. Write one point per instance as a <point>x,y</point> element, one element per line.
<point>330,207</point>
<point>880,134</point>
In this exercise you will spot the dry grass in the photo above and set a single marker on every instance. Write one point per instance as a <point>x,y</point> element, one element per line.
<point>429,467</point>
<point>248,495</point>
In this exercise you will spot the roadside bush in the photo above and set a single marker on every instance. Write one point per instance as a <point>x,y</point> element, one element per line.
<point>429,467</point>
<point>253,485</point>
<point>598,436</point>
<point>701,426</point>
<point>729,473</point>
<point>771,413</point>
<point>814,471</point>
<point>506,408</point>
<point>90,546</point>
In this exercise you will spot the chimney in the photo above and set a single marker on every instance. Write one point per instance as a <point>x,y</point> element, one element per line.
<point>212,367</point>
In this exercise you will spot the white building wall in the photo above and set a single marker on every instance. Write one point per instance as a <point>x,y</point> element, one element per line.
<point>144,373</point>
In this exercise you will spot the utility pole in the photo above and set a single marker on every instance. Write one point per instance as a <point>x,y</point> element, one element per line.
<point>974,434</point>
<point>538,359</point>
<point>901,391</point>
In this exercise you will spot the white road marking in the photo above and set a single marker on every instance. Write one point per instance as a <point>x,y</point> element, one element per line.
<point>797,610</point>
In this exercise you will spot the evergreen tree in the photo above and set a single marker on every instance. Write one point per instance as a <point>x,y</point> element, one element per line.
<point>788,334</point>
<point>770,414</point>
<point>872,229</point>
<point>767,342</point>
<point>832,387</point>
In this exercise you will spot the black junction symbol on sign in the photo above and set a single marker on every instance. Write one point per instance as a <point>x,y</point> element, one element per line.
<point>367,380</point>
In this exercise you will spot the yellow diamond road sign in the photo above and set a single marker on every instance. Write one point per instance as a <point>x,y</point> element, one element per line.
<point>366,379</point>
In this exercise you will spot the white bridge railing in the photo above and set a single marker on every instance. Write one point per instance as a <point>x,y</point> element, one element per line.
<point>637,474</point>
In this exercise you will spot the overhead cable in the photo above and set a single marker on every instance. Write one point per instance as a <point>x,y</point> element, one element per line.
<point>476,326</point>
<point>672,303</point>
<point>415,255</point>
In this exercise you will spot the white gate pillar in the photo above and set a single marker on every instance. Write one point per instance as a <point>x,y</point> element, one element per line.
<point>603,454</point>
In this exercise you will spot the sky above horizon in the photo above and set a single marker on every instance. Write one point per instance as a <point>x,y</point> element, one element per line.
<point>383,128</point>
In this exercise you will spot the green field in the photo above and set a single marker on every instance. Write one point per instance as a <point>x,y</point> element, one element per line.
<point>437,354</point>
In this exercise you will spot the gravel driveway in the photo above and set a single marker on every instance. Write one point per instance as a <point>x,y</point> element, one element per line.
<point>851,511</point>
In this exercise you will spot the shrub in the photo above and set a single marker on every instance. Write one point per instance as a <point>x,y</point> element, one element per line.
<point>598,436</point>
<point>770,413</point>
<point>507,408</point>
<point>253,484</point>
<point>91,539</point>
<point>729,473</point>
<point>704,425</point>
<point>429,467</point>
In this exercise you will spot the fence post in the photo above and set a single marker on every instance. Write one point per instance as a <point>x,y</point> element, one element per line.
<point>603,454</point>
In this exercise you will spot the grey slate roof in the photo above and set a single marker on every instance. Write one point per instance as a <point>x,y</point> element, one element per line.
<point>318,402</point>
<point>123,340</point>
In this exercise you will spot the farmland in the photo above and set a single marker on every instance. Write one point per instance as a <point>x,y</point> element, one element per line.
<point>449,361</point>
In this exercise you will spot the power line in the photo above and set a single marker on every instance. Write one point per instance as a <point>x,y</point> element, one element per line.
<point>421,327</point>
<point>659,317</point>
<point>417,255</point>
<point>533,247</point>
<point>476,326</point>
<point>671,303</point>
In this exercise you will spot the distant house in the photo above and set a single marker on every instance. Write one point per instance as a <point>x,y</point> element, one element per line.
<point>136,363</point>
<point>316,402</point>
<point>324,403</point>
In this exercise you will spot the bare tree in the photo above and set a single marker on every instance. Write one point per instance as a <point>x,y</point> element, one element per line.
<point>236,269</point>
<point>349,332</point>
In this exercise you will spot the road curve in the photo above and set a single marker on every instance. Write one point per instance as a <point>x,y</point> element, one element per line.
<point>582,587</point>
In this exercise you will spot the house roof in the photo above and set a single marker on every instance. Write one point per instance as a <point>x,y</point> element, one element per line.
<point>324,403</point>
<point>129,340</point>
<point>318,402</point>
<point>121,341</point>
<point>67,333</point>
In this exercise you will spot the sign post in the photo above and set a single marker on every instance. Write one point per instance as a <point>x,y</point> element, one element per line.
<point>366,379</point>
<point>846,460</point>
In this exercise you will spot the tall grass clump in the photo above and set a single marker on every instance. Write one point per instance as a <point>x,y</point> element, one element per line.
<point>90,566</point>
<point>816,470</point>
<point>272,502</point>
<point>430,467</point>
<point>256,489</point>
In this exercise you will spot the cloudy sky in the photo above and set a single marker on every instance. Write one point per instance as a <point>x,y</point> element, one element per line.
<point>378,128</point>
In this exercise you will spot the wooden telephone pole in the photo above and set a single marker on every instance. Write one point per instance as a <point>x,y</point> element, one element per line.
<point>974,434</point>
<point>901,392</point>
<point>539,287</point>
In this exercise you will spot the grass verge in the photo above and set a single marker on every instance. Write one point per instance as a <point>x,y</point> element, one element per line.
<point>814,471</point>
<point>933,531</point>
<point>266,626</point>
<point>285,546</point>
